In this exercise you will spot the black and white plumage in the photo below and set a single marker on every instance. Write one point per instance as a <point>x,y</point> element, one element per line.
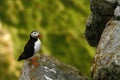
<point>32,47</point>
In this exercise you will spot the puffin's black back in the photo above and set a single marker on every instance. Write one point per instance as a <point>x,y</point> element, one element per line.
<point>28,49</point>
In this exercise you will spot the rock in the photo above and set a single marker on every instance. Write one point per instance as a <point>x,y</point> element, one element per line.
<point>117,12</point>
<point>105,21</point>
<point>94,28</point>
<point>118,2</point>
<point>106,64</point>
<point>103,7</point>
<point>49,69</point>
<point>102,12</point>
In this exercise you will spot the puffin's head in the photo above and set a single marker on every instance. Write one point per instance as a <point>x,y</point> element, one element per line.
<point>35,34</point>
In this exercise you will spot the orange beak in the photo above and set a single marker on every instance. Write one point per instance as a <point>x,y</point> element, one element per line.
<point>38,36</point>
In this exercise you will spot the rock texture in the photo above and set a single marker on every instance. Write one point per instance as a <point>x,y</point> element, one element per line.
<point>94,28</point>
<point>101,13</point>
<point>106,64</point>
<point>49,69</point>
<point>105,21</point>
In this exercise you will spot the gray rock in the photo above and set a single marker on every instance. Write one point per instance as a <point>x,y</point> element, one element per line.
<point>103,7</point>
<point>102,12</point>
<point>106,64</point>
<point>49,69</point>
<point>94,28</point>
<point>118,2</point>
<point>105,15</point>
<point>111,1</point>
<point>117,12</point>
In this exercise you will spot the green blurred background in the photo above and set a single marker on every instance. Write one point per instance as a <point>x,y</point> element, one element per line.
<point>61,24</point>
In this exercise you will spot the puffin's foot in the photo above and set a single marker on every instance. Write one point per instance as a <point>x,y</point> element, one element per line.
<point>34,59</point>
<point>34,62</point>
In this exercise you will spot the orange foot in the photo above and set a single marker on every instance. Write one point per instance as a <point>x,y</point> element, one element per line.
<point>33,61</point>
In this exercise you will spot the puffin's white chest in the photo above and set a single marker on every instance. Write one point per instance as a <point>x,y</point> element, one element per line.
<point>37,46</point>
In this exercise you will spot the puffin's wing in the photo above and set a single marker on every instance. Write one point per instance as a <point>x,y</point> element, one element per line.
<point>29,47</point>
<point>28,51</point>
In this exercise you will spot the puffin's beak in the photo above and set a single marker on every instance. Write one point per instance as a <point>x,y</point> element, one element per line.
<point>38,36</point>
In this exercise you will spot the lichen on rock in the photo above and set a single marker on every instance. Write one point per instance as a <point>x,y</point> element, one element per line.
<point>101,12</point>
<point>106,64</point>
<point>49,69</point>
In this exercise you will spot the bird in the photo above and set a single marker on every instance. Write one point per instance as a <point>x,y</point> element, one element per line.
<point>31,48</point>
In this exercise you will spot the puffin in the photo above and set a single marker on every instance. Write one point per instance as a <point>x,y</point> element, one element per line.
<point>31,48</point>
